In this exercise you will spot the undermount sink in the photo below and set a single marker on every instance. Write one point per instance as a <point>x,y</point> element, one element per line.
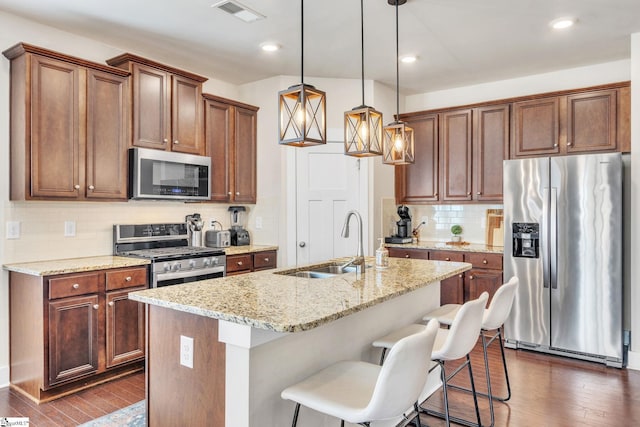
<point>321,272</point>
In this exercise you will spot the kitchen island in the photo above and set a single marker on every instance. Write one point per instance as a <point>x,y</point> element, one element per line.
<point>255,334</point>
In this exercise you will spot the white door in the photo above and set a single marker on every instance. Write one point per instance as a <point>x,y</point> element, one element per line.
<point>328,186</point>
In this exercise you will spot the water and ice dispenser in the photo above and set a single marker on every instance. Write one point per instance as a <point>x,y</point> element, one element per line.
<point>526,239</point>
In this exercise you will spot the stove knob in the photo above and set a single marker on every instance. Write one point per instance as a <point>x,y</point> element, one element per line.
<point>177,266</point>
<point>206,262</point>
<point>167,267</point>
<point>215,261</point>
<point>192,263</point>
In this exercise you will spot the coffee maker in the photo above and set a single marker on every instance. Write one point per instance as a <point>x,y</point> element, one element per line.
<point>403,227</point>
<point>239,235</point>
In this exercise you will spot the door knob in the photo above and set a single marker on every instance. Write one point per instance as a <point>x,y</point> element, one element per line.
<point>302,244</point>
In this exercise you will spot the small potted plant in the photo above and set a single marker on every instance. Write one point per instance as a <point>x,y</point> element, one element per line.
<point>456,231</point>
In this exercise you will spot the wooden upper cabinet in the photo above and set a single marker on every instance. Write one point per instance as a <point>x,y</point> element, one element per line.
<point>490,148</point>
<point>536,127</point>
<point>167,105</point>
<point>419,182</point>
<point>591,121</point>
<point>69,127</point>
<point>456,155</point>
<point>230,140</point>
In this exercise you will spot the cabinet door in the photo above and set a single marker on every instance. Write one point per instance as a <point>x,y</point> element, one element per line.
<point>73,338</point>
<point>490,148</point>
<point>107,136</point>
<point>591,121</point>
<point>218,133</point>
<point>536,127</point>
<point>418,183</point>
<point>452,290</point>
<point>478,281</point>
<point>125,331</point>
<point>244,164</point>
<point>455,155</point>
<point>57,105</point>
<point>151,107</point>
<point>408,253</point>
<point>185,124</point>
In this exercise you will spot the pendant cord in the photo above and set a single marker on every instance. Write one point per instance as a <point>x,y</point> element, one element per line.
<point>302,42</point>
<point>397,67</point>
<point>362,45</point>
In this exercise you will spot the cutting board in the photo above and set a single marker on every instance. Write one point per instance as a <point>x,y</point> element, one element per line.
<point>495,228</point>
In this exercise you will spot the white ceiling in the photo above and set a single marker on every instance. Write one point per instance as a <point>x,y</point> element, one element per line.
<point>458,42</point>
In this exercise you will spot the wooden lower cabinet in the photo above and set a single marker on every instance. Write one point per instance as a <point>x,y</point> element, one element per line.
<point>70,331</point>
<point>486,274</point>
<point>253,261</point>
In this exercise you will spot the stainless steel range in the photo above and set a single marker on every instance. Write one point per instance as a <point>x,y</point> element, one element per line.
<point>173,261</point>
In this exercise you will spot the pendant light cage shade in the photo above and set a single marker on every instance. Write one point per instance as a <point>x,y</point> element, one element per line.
<point>363,132</point>
<point>398,144</point>
<point>302,112</point>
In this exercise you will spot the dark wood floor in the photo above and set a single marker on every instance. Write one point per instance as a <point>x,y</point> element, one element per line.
<point>548,391</point>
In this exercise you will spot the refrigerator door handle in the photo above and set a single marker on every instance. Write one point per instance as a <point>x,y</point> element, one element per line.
<point>544,238</point>
<point>553,238</point>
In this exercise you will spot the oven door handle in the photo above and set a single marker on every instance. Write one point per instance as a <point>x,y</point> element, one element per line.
<point>189,273</point>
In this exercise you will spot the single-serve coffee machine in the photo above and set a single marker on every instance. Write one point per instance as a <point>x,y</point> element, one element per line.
<point>403,227</point>
<point>239,235</point>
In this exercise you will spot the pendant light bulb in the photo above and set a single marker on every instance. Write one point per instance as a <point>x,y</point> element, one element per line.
<point>362,124</point>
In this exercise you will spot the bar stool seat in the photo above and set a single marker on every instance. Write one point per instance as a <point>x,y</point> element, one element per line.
<point>361,392</point>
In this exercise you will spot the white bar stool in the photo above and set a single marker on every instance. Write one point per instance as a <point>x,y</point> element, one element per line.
<point>361,392</point>
<point>451,344</point>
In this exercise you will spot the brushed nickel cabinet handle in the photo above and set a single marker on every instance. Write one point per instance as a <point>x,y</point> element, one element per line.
<point>77,186</point>
<point>478,193</point>
<point>111,304</point>
<point>239,262</point>
<point>407,256</point>
<point>76,286</point>
<point>266,260</point>
<point>176,142</point>
<point>484,261</point>
<point>237,193</point>
<point>471,277</point>
<point>447,259</point>
<point>96,306</point>
<point>128,278</point>
<point>569,143</point>
<point>165,140</point>
<point>555,145</point>
<point>91,187</point>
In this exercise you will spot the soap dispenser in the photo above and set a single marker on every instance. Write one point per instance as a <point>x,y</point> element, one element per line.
<point>382,256</point>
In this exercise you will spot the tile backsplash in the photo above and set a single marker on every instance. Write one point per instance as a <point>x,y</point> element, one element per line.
<point>439,219</point>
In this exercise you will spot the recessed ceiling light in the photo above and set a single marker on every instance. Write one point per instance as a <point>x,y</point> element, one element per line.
<point>270,47</point>
<point>562,23</point>
<point>408,59</point>
<point>238,10</point>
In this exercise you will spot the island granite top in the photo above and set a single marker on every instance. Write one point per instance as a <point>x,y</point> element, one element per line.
<point>273,301</point>
<point>74,265</point>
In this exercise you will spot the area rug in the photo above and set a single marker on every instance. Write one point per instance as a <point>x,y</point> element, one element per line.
<point>131,416</point>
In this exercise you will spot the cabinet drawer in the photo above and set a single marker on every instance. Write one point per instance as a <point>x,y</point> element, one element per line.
<point>129,278</point>
<point>264,260</point>
<point>79,284</point>
<point>408,253</point>
<point>446,256</point>
<point>239,263</point>
<point>484,260</point>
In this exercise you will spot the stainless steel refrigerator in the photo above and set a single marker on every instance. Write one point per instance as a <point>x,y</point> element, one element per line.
<point>563,240</point>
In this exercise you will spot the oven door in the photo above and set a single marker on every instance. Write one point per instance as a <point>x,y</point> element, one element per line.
<point>186,276</point>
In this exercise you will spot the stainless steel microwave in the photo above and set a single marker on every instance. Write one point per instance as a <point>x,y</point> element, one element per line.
<point>166,175</point>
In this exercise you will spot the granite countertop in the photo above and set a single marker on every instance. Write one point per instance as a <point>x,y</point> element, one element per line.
<point>426,244</point>
<point>239,250</point>
<point>272,301</point>
<point>74,265</point>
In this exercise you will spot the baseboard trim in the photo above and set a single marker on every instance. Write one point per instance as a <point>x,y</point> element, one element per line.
<point>633,360</point>
<point>4,376</point>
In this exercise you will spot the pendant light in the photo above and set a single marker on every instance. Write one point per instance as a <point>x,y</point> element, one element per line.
<point>363,124</point>
<point>398,147</point>
<point>302,108</point>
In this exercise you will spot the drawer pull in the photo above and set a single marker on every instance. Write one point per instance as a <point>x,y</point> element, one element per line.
<point>406,256</point>
<point>76,286</point>
<point>128,278</point>
<point>460,276</point>
<point>484,261</point>
<point>471,277</point>
<point>91,187</point>
<point>239,263</point>
<point>447,259</point>
<point>96,306</point>
<point>110,303</point>
<point>266,260</point>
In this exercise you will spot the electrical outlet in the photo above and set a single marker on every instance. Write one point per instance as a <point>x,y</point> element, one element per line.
<point>212,222</point>
<point>258,222</point>
<point>13,229</point>
<point>186,351</point>
<point>69,228</point>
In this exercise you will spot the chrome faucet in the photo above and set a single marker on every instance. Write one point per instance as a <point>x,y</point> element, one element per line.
<point>358,260</point>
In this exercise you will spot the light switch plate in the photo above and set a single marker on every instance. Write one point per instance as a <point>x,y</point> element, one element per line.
<point>13,230</point>
<point>69,228</point>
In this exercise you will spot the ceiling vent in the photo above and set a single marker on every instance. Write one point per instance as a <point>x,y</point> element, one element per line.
<point>239,10</point>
